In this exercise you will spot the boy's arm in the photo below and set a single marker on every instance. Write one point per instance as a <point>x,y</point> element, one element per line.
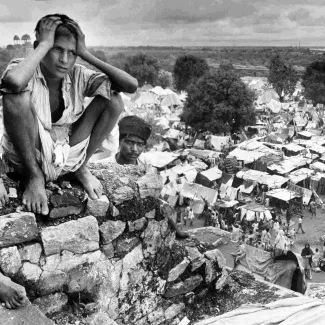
<point>121,80</point>
<point>18,77</point>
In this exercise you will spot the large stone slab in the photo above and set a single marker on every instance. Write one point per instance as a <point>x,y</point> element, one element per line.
<point>121,194</point>
<point>28,315</point>
<point>31,253</point>
<point>98,208</point>
<point>77,236</point>
<point>16,228</point>
<point>184,287</point>
<point>51,304</point>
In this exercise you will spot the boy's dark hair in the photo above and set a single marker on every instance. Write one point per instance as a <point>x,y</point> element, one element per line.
<point>63,29</point>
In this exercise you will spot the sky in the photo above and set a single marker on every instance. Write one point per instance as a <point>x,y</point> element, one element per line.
<point>176,22</point>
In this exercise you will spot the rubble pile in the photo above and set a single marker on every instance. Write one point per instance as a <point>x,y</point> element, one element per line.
<point>116,256</point>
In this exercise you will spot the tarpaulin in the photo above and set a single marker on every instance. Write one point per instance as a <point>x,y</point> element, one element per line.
<point>219,142</point>
<point>290,311</point>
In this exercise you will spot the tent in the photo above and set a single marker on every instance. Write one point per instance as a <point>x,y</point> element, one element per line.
<point>144,98</point>
<point>274,106</point>
<point>171,100</point>
<point>145,87</point>
<point>207,177</point>
<point>267,96</point>
<point>253,210</point>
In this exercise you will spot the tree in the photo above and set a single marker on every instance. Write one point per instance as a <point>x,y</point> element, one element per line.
<point>219,102</point>
<point>165,79</point>
<point>143,67</point>
<point>313,81</point>
<point>282,77</point>
<point>100,55</point>
<point>188,68</point>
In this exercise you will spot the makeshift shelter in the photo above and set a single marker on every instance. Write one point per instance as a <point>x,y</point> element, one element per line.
<point>274,106</point>
<point>199,144</point>
<point>300,176</point>
<point>293,149</point>
<point>284,270</point>
<point>267,96</point>
<point>145,98</point>
<point>306,193</point>
<point>160,159</point>
<point>317,166</point>
<point>252,211</point>
<point>219,142</point>
<point>194,190</point>
<point>284,198</point>
<point>207,177</point>
<point>305,135</point>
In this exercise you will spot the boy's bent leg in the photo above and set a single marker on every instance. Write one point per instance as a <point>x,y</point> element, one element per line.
<point>97,122</point>
<point>22,127</point>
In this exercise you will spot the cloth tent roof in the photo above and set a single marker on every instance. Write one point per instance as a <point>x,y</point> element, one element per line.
<point>212,174</point>
<point>171,100</point>
<point>267,96</point>
<point>300,310</point>
<point>144,98</point>
<point>160,159</point>
<point>274,106</point>
<point>283,194</point>
<point>288,164</point>
<point>173,134</point>
<point>318,166</point>
<point>145,87</point>
<point>300,174</point>
<point>217,142</point>
<point>306,134</point>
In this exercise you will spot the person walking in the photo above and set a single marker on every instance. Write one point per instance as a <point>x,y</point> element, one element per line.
<point>313,209</point>
<point>191,216</point>
<point>307,255</point>
<point>300,225</point>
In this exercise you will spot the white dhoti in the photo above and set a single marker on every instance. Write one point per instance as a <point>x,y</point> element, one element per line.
<point>55,158</point>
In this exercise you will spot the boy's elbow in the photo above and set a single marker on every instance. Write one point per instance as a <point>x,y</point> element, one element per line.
<point>132,86</point>
<point>13,83</point>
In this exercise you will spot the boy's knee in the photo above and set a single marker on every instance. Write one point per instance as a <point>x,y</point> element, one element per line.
<point>116,103</point>
<point>15,103</point>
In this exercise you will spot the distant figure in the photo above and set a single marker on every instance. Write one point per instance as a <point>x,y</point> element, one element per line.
<point>307,255</point>
<point>300,225</point>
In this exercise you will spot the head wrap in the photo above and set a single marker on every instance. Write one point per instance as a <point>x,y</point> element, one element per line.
<point>134,125</point>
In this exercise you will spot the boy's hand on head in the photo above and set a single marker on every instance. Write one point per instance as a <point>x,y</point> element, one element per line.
<point>81,43</point>
<point>47,30</point>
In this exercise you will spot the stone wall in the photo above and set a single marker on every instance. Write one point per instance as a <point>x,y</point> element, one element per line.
<point>116,257</point>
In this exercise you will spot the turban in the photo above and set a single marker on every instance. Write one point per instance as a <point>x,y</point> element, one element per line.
<point>134,125</point>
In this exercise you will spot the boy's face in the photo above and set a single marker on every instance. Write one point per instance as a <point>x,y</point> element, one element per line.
<point>131,148</point>
<point>61,58</point>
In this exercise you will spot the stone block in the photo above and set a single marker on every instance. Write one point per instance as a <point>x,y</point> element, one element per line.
<point>110,230</point>
<point>137,224</point>
<point>114,211</point>
<point>30,272</point>
<point>10,261</point>
<point>125,245</point>
<point>51,281</point>
<point>108,250</point>
<point>152,238</point>
<point>156,317</point>
<point>78,236</point>
<point>173,311</point>
<point>28,315</point>
<point>98,208</point>
<point>121,194</point>
<point>151,214</point>
<point>183,287</point>
<point>150,185</point>
<point>51,304</point>
<point>197,259</point>
<point>210,271</point>
<point>16,228</point>
<point>31,253</point>
<point>64,205</point>
<point>216,255</point>
<point>100,318</point>
<point>178,270</point>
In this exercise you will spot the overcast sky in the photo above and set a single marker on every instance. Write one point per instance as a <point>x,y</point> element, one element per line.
<point>175,22</point>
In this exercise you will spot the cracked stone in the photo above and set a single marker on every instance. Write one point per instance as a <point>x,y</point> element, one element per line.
<point>110,230</point>
<point>10,261</point>
<point>152,238</point>
<point>98,208</point>
<point>51,304</point>
<point>125,245</point>
<point>178,270</point>
<point>114,211</point>
<point>150,185</point>
<point>100,318</point>
<point>16,228</point>
<point>210,271</point>
<point>173,310</point>
<point>151,214</point>
<point>78,236</point>
<point>30,272</point>
<point>31,253</point>
<point>137,224</point>
<point>52,281</point>
<point>216,255</point>
<point>196,258</point>
<point>183,287</point>
<point>108,250</point>
<point>64,205</point>
<point>121,194</point>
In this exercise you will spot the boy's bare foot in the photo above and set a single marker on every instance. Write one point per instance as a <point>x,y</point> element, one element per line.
<point>90,183</point>
<point>34,197</point>
<point>4,198</point>
<point>12,295</point>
